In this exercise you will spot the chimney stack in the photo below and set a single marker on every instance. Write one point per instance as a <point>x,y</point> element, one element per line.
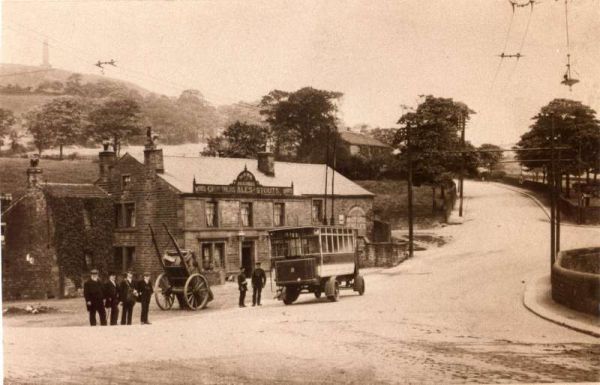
<point>107,159</point>
<point>34,173</point>
<point>266,161</point>
<point>153,157</point>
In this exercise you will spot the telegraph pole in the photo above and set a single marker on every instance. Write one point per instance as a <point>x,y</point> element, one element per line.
<point>558,191</point>
<point>463,122</point>
<point>551,185</point>
<point>410,192</point>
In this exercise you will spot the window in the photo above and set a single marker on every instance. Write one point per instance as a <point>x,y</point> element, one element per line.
<point>317,211</point>
<point>123,258</point>
<point>125,182</point>
<point>279,214</point>
<point>87,221</point>
<point>213,255</point>
<point>211,214</point>
<point>88,261</point>
<point>246,214</point>
<point>124,215</point>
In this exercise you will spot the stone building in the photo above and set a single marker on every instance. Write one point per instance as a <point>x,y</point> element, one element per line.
<point>54,234</point>
<point>220,208</point>
<point>363,145</point>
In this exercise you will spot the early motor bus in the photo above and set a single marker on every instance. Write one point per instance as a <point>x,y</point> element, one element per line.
<point>315,259</point>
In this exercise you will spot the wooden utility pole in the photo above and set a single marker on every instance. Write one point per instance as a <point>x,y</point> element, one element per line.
<point>463,123</point>
<point>410,192</point>
<point>551,185</point>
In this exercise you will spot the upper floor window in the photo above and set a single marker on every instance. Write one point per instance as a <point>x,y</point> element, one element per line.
<point>124,215</point>
<point>317,210</point>
<point>246,214</point>
<point>125,181</point>
<point>279,214</point>
<point>211,214</point>
<point>87,219</point>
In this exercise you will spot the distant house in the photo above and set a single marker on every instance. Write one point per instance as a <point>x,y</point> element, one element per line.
<point>363,145</point>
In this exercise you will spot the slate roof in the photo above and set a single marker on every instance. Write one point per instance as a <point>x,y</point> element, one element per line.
<point>74,190</point>
<point>308,179</point>
<point>360,139</point>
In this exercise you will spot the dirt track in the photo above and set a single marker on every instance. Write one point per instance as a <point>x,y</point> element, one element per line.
<point>450,315</point>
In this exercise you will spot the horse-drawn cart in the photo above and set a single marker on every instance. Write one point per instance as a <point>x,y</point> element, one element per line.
<point>181,279</point>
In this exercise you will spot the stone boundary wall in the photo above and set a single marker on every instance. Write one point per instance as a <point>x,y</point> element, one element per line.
<point>575,289</point>
<point>383,254</point>
<point>589,215</point>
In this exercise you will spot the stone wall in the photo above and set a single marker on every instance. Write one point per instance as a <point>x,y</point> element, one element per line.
<point>574,288</point>
<point>384,254</point>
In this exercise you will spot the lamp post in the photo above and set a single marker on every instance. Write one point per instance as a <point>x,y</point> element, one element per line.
<point>463,122</point>
<point>409,190</point>
<point>551,185</point>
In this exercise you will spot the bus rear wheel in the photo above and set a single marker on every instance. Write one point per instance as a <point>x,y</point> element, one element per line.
<point>290,294</point>
<point>359,284</point>
<point>332,289</point>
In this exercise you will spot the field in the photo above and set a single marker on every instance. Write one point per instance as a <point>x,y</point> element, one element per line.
<point>13,177</point>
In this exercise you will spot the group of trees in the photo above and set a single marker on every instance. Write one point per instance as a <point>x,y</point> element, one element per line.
<point>83,111</point>
<point>574,128</point>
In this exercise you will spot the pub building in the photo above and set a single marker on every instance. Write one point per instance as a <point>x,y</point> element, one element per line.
<point>220,208</point>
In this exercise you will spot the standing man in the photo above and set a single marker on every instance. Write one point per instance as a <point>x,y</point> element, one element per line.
<point>242,286</point>
<point>111,294</point>
<point>128,295</point>
<point>145,290</point>
<point>94,298</point>
<point>259,279</point>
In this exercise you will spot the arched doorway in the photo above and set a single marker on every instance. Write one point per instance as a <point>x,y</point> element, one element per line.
<point>357,219</point>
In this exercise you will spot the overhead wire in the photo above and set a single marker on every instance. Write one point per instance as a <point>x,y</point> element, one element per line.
<point>512,16</point>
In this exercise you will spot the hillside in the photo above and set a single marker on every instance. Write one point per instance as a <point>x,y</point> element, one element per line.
<point>183,119</point>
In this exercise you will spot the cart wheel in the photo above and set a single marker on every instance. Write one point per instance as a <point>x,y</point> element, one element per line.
<point>359,284</point>
<point>332,289</point>
<point>290,294</point>
<point>162,292</point>
<point>196,291</point>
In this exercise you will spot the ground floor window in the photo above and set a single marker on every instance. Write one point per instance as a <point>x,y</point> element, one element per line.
<point>213,255</point>
<point>123,258</point>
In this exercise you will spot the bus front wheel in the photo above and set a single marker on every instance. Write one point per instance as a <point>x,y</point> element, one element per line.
<point>332,289</point>
<point>290,294</point>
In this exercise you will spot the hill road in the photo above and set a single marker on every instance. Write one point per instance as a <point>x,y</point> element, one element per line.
<point>452,314</point>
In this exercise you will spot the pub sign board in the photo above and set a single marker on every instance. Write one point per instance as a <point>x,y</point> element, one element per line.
<point>244,184</point>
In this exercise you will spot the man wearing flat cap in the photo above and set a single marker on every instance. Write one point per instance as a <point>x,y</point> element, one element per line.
<point>93,292</point>
<point>145,289</point>
<point>111,297</point>
<point>242,286</point>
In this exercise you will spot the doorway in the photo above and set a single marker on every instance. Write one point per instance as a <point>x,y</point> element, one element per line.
<point>248,257</point>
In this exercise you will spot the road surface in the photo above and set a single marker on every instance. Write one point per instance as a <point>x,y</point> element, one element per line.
<point>450,315</point>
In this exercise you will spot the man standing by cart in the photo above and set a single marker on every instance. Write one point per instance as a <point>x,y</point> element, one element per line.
<point>145,290</point>
<point>94,298</point>
<point>242,286</point>
<point>111,292</point>
<point>259,279</point>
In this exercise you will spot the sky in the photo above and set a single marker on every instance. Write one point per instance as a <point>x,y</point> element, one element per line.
<point>379,54</point>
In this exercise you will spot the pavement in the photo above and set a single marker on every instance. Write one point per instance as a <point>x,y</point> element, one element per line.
<point>538,299</point>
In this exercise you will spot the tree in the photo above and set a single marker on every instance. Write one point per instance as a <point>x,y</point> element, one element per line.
<point>198,114</point>
<point>489,155</point>
<point>239,140</point>
<point>302,122</point>
<point>575,127</point>
<point>434,128</point>
<point>115,120</point>
<point>64,117</point>
<point>384,135</point>
<point>43,137</point>
<point>7,120</point>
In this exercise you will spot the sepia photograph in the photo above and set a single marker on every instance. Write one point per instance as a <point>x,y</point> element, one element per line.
<point>300,192</point>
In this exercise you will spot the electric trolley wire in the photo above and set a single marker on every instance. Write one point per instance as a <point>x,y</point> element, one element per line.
<point>512,16</point>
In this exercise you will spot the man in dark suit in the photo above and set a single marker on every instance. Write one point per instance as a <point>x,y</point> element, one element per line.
<point>111,297</point>
<point>127,295</point>
<point>145,289</point>
<point>94,298</point>
<point>242,286</point>
<point>259,279</point>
